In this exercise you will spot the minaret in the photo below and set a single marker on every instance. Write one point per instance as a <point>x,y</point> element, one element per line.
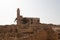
<point>18,13</point>
<point>18,16</point>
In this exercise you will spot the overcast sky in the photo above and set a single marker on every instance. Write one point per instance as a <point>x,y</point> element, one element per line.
<point>47,10</point>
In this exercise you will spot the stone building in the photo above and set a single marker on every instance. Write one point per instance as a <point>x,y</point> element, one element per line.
<point>27,29</point>
<point>24,20</point>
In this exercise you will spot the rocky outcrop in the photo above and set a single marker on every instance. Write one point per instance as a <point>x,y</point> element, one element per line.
<point>27,32</point>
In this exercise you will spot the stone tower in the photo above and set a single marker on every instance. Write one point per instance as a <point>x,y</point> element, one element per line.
<point>18,13</point>
<point>18,16</point>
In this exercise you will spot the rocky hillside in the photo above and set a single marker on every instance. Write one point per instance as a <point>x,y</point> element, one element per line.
<point>27,32</point>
